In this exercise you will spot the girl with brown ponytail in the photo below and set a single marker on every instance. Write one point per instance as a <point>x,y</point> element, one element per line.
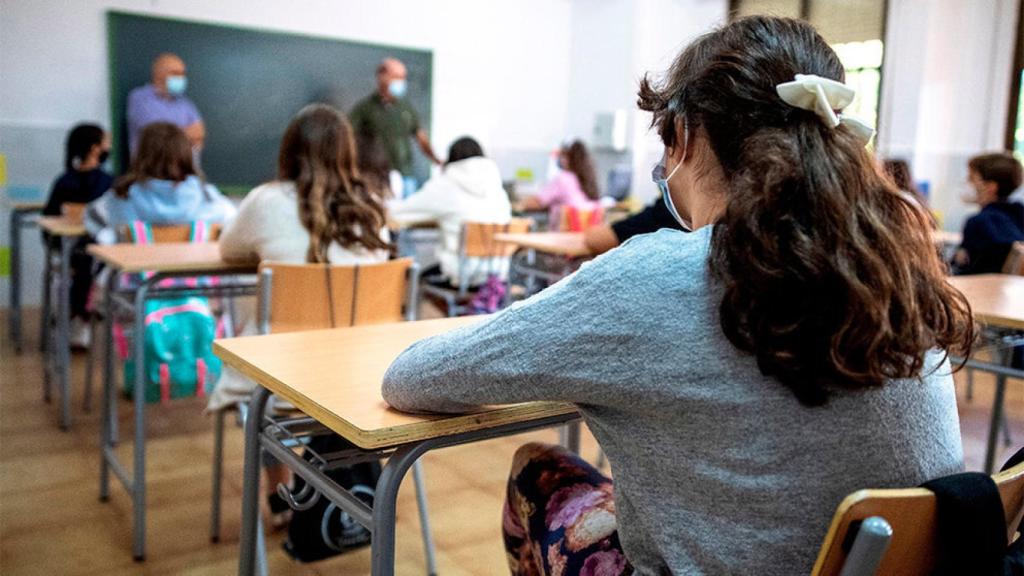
<point>741,378</point>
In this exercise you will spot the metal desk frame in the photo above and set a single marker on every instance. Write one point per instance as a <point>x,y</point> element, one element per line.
<point>21,217</point>
<point>134,302</point>
<point>56,343</point>
<point>262,434</point>
<point>1002,370</point>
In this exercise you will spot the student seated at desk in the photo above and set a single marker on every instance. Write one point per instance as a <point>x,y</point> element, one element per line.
<point>318,209</point>
<point>989,235</point>
<point>83,181</point>
<point>575,184</point>
<point>467,190</point>
<point>162,186</point>
<point>743,378</point>
<point>654,217</point>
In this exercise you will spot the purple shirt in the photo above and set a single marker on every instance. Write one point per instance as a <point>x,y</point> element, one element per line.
<point>145,106</point>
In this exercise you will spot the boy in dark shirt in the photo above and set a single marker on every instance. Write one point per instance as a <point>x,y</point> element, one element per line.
<point>989,234</point>
<point>83,181</point>
<point>654,217</point>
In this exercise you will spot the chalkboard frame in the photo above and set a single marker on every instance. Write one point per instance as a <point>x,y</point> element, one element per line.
<point>418,60</point>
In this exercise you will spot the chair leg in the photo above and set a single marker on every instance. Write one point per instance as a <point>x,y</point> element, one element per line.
<point>970,384</point>
<point>421,503</point>
<point>218,465</point>
<point>1007,439</point>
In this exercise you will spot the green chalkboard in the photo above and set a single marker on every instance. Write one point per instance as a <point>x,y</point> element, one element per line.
<point>248,83</point>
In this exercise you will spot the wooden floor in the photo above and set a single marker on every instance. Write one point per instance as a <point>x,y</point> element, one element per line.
<point>51,522</point>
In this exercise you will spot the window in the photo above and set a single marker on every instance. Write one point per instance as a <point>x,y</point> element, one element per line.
<point>1015,126</point>
<point>854,28</point>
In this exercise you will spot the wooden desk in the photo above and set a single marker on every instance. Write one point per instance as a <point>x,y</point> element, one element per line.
<point>305,368</point>
<point>165,261</point>
<point>171,257</point>
<point>997,301</point>
<point>568,244</point>
<point>335,377</point>
<point>60,226</point>
<point>22,216</point>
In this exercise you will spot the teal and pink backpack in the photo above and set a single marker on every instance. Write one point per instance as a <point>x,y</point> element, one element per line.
<point>179,334</point>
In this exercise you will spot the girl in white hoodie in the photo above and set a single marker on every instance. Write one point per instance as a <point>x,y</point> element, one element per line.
<point>467,190</point>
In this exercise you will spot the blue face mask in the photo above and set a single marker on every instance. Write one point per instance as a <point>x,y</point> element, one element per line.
<point>397,88</point>
<point>659,177</point>
<point>176,85</point>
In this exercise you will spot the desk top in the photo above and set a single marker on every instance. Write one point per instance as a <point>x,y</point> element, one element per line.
<point>561,243</point>
<point>996,299</point>
<point>60,226</point>
<point>335,376</point>
<point>167,257</point>
<point>23,206</point>
<point>947,238</point>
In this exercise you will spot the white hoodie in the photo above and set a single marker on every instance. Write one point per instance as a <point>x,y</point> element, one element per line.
<point>469,190</point>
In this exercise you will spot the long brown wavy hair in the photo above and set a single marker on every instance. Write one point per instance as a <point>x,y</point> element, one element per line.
<point>578,162</point>
<point>830,277</point>
<point>336,204</point>
<point>164,153</point>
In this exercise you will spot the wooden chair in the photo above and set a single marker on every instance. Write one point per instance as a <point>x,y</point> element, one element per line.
<point>167,233</point>
<point>1015,260</point>
<point>295,297</point>
<point>476,241</point>
<point>580,218</point>
<point>895,531</point>
<point>73,211</point>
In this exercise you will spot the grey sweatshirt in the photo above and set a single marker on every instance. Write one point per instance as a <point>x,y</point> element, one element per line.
<point>718,469</point>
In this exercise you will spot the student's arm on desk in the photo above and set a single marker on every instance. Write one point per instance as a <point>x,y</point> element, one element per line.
<point>545,348</point>
<point>430,203</point>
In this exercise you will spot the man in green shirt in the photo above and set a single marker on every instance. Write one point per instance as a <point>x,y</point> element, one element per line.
<point>387,116</point>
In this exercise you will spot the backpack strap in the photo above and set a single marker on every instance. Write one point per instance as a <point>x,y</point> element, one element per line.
<point>165,384</point>
<point>201,374</point>
<point>972,526</point>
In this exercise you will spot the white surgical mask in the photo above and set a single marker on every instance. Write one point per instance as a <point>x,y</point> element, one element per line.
<point>176,85</point>
<point>658,175</point>
<point>397,88</point>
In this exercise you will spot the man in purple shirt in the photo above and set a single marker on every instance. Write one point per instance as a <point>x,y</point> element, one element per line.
<point>164,100</point>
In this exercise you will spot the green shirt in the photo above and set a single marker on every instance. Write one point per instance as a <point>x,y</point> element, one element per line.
<point>393,123</point>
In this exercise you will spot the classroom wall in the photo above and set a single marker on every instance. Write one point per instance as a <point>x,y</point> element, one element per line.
<point>500,71</point>
<point>946,88</point>
<point>616,42</point>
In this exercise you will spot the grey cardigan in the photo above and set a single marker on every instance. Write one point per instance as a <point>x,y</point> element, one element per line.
<point>718,469</point>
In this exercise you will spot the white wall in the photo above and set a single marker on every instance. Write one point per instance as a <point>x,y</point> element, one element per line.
<point>501,69</point>
<point>614,44</point>
<point>945,93</point>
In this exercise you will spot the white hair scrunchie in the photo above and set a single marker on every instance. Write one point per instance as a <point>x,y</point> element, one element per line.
<point>824,97</point>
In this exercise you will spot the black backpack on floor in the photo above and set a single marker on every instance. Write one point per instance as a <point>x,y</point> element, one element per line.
<point>324,530</point>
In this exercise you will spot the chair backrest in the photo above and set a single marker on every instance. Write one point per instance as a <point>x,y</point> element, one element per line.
<point>1015,260</point>
<point>166,233</point>
<point>478,238</point>
<point>73,211</point>
<point>314,296</point>
<point>911,514</point>
<point>580,218</point>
